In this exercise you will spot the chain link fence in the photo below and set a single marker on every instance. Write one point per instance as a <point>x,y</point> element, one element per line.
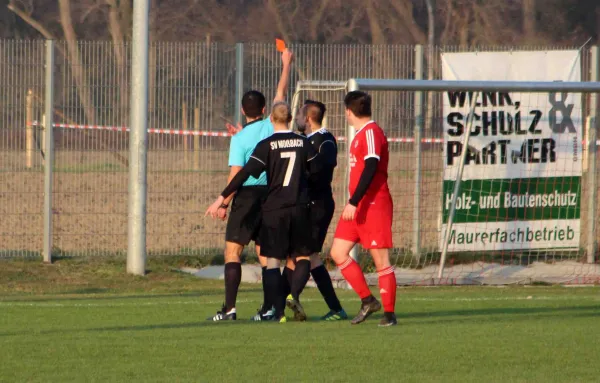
<point>192,93</point>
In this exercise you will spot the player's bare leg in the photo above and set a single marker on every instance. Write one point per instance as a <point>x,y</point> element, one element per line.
<point>387,285</point>
<point>340,252</point>
<point>299,279</point>
<point>261,258</point>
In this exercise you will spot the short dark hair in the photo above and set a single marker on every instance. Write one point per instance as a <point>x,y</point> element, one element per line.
<point>359,103</point>
<point>315,110</point>
<point>253,104</point>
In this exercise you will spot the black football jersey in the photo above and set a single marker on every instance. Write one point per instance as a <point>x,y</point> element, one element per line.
<point>325,145</point>
<point>288,159</point>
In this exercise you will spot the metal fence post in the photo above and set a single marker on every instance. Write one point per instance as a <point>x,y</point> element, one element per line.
<point>29,130</point>
<point>49,149</point>
<point>350,134</point>
<point>592,184</point>
<point>138,141</point>
<point>239,81</point>
<point>418,114</point>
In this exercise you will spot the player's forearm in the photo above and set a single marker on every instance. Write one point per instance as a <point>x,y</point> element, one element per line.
<point>283,85</point>
<point>236,182</point>
<point>232,173</point>
<point>365,181</point>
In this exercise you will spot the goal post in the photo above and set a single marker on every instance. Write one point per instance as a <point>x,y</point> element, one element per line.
<point>491,87</point>
<point>424,255</point>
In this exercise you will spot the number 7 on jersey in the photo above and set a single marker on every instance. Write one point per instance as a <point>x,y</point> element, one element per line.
<point>290,166</point>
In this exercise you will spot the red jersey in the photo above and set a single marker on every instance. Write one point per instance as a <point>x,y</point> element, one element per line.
<point>370,142</point>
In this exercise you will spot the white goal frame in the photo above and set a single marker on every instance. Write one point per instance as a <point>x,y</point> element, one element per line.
<point>422,86</point>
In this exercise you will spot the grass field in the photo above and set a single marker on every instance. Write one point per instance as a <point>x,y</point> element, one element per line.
<point>85,320</point>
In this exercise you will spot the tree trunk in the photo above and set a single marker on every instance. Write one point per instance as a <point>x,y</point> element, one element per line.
<point>529,27</point>
<point>377,36</point>
<point>115,26</point>
<point>81,81</point>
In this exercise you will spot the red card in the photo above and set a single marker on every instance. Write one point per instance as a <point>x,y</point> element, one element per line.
<point>280,44</point>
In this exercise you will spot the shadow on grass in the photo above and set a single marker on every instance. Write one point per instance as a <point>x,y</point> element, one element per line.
<point>496,311</point>
<point>495,315</point>
<point>117,295</point>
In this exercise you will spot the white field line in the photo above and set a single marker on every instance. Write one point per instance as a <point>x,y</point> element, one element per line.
<point>218,302</point>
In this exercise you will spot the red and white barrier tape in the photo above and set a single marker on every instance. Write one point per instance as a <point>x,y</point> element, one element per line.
<point>225,134</point>
<point>208,133</point>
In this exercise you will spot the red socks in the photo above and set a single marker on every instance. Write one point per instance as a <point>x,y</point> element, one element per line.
<point>387,288</point>
<point>387,283</point>
<point>355,277</point>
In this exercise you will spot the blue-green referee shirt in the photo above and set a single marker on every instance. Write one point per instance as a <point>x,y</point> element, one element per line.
<point>243,143</point>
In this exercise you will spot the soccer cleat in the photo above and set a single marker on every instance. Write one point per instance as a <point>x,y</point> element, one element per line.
<point>264,315</point>
<point>366,309</point>
<point>282,319</point>
<point>389,319</point>
<point>223,314</point>
<point>335,315</point>
<point>296,307</point>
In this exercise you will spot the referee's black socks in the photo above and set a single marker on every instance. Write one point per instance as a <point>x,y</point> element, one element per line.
<point>300,277</point>
<point>233,277</point>
<point>266,304</point>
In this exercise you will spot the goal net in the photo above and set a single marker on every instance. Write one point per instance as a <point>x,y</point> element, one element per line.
<point>524,155</point>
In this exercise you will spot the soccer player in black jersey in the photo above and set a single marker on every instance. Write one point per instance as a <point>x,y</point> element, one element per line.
<point>288,159</point>
<point>243,223</point>
<point>322,206</point>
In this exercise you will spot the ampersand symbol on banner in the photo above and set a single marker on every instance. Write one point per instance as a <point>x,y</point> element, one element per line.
<point>558,106</point>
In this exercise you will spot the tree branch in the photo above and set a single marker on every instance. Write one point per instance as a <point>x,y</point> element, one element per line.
<point>272,6</point>
<point>31,21</point>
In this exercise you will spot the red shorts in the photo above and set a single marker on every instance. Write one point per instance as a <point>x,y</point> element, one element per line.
<point>371,227</point>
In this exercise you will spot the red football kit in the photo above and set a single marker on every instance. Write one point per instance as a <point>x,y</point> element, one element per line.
<point>372,224</point>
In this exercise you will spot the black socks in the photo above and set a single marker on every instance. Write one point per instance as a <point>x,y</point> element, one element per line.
<point>273,289</point>
<point>233,277</point>
<point>323,281</point>
<point>300,277</point>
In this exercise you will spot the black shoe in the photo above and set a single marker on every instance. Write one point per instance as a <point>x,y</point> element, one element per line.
<point>368,307</point>
<point>296,307</point>
<point>264,314</point>
<point>223,314</point>
<point>389,319</point>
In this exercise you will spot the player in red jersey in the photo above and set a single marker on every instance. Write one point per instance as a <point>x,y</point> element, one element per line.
<point>367,218</point>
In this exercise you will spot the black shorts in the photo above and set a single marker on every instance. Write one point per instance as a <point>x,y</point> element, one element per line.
<point>244,220</point>
<point>321,214</point>
<point>286,232</point>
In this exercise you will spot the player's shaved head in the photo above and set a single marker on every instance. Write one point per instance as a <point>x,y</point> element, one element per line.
<point>315,110</point>
<point>281,113</point>
<point>253,104</point>
<point>359,103</point>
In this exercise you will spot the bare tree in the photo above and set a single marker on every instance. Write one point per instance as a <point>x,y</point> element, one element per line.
<point>529,22</point>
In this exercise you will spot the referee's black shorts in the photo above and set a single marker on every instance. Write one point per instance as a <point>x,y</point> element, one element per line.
<point>286,232</point>
<point>321,214</point>
<point>245,216</point>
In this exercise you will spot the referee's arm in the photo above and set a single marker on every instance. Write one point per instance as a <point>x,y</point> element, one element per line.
<point>282,87</point>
